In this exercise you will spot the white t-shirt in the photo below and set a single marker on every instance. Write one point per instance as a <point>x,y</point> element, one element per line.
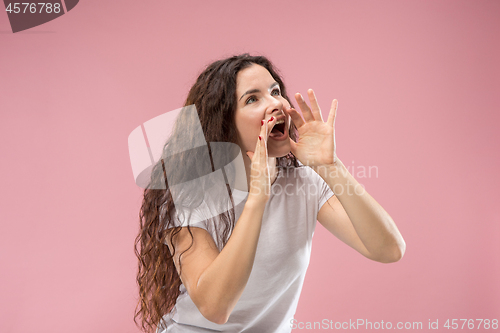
<point>271,295</point>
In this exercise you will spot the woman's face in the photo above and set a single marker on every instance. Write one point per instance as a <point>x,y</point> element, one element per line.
<point>258,97</point>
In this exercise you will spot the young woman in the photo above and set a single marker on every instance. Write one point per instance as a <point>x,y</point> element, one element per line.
<point>243,269</point>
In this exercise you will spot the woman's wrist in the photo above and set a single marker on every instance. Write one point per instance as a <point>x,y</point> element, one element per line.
<point>256,201</point>
<point>331,171</point>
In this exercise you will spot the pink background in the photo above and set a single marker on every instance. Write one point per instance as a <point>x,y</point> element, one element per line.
<point>418,89</point>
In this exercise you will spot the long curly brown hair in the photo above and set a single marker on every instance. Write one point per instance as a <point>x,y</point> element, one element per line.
<point>214,96</point>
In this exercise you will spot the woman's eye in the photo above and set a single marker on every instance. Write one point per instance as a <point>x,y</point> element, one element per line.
<point>276,92</point>
<point>250,99</point>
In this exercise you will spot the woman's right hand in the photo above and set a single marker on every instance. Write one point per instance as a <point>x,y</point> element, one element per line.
<point>260,181</point>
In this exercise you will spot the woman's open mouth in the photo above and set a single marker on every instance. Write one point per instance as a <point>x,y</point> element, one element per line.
<point>279,130</point>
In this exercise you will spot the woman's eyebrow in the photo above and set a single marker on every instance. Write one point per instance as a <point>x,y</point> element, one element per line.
<point>253,91</point>
<point>249,92</point>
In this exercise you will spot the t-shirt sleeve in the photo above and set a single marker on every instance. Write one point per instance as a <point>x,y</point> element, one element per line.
<point>206,216</point>
<point>193,218</point>
<point>324,191</point>
<point>196,217</point>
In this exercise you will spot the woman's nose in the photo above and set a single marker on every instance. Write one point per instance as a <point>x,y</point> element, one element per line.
<point>274,104</point>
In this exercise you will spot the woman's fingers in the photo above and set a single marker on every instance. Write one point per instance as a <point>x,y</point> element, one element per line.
<point>259,174</point>
<point>261,144</point>
<point>315,110</point>
<point>306,112</point>
<point>265,130</point>
<point>296,117</point>
<point>333,113</point>
<point>269,126</point>
<point>312,113</point>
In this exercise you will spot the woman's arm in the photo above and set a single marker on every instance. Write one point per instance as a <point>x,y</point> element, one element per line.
<point>215,280</point>
<point>353,216</point>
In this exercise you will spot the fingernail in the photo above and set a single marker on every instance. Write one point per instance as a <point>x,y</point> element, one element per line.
<point>260,138</point>
<point>270,119</point>
<point>262,122</point>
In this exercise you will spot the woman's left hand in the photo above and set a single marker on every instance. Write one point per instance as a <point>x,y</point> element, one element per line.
<point>316,145</point>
